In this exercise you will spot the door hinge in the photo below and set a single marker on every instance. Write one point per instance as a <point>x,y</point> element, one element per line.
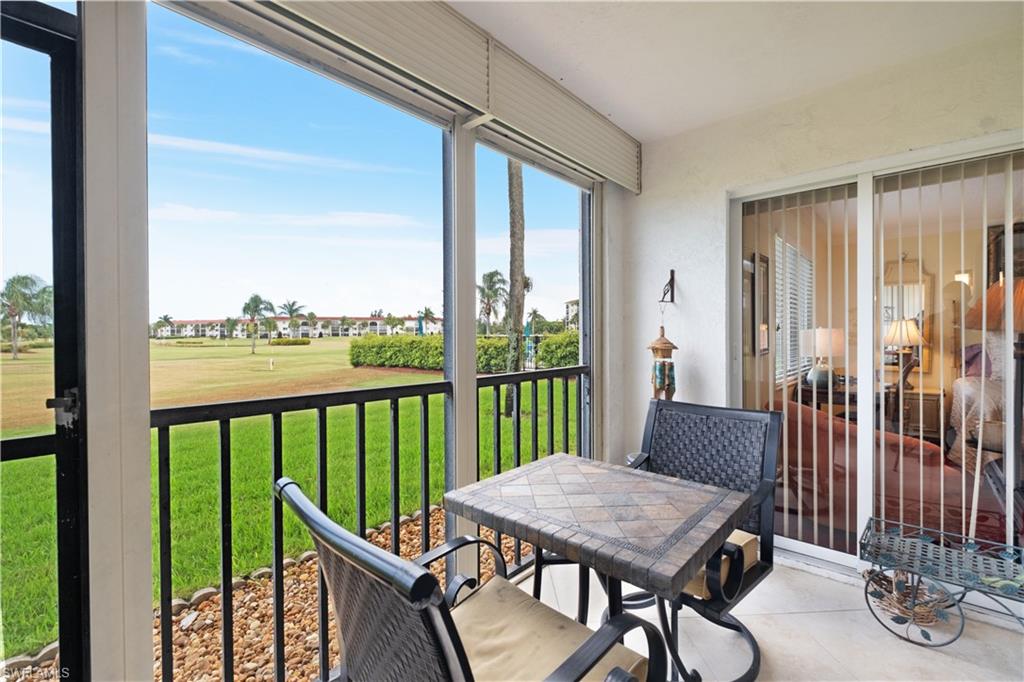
<point>66,408</point>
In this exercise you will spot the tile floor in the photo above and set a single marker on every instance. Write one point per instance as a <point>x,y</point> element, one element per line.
<point>812,627</point>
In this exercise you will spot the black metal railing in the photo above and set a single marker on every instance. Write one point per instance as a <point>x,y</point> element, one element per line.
<point>163,420</point>
<point>515,382</point>
<point>223,413</point>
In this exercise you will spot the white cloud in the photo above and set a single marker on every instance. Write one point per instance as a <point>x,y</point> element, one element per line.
<point>539,243</point>
<point>211,41</point>
<point>25,103</point>
<point>184,213</point>
<point>26,125</point>
<point>345,219</point>
<point>425,248</point>
<point>262,154</point>
<point>183,55</point>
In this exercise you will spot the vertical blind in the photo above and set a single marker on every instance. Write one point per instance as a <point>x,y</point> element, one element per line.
<point>806,296</point>
<point>949,272</point>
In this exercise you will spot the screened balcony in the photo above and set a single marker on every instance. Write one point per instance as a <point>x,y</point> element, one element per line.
<point>796,225</point>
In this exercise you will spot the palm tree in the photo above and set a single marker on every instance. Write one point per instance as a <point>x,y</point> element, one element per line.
<point>25,297</point>
<point>534,317</point>
<point>230,325</point>
<point>427,314</point>
<point>293,311</point>
<point>311,321</point>
<point>163,321</point>
<point>517,274</point>
<point>345,323</point>
<point>492,290</point>
<point>255,311</point>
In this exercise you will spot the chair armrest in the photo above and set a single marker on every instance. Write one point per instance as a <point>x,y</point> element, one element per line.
<point>447,548</point>
<point>725,593</point>
<point>598,644</point>
<point>638,460</point>
<point>764,489</point>
<point>455,585</point>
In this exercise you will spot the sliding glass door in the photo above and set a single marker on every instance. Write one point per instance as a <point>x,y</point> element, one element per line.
<point>946,291</point>
<point>799,353</point>
<point>949,244</point>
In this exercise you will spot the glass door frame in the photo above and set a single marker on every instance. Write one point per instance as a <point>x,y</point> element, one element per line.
<point>53,32</point>
<point>863,173</point>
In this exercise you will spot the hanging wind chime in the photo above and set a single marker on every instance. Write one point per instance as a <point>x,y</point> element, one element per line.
<point>663,371</point>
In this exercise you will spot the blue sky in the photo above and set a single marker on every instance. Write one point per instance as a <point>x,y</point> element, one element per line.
<point>264,177</point>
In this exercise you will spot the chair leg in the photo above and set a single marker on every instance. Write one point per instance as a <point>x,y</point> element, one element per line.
<point>674,614</point>
<point>671,633</point>
<point>583,592</point>
<point>538,567</point>
<point>728,621</point>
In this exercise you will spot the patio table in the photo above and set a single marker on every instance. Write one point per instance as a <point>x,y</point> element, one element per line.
<point>646,529</point>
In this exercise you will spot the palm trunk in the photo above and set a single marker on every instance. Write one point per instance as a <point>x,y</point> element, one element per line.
<point>517,274</point>
<point>255,333</point>
<point>14,337</point>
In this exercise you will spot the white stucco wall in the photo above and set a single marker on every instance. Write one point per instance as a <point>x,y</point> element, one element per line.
<point>681,218</point>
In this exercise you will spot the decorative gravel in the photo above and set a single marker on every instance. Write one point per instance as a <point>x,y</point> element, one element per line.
<point>197,629</point>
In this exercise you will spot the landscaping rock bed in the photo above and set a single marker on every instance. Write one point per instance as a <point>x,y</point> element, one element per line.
<point>197,623</point>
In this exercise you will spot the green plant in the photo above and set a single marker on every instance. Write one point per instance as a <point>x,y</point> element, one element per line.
<point>255,310</point>
<point>25,346</point>
<point>560,350</point>
<point>418,352</point>
<point>491,355</point>
<point>25,297</point>
<point>492,291</point>
<point>289,342</point>
<point>423,352</point>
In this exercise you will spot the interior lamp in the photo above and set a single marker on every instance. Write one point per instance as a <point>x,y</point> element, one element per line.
<point>821,343</point>
<point>905,335</point>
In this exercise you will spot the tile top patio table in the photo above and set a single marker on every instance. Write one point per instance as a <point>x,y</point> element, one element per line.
<point>646,529</point>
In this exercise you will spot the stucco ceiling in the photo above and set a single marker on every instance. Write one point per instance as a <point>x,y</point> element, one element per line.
<point>657,69</point>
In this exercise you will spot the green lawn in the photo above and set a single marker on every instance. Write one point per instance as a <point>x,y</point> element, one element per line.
<point>27,519</point>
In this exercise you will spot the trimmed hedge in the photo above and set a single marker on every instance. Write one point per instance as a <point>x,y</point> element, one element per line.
<point>560,350</point>
<point>416,352</point>
<point>26,345</point>
<point>422,352</point>
<point>289,342</point>
<point>492,355</point>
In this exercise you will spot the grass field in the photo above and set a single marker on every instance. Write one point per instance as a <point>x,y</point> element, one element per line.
<point>216,373</point>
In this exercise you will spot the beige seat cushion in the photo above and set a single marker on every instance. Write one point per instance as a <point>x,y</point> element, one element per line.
<point>698,586</point>
<point>509,635</point>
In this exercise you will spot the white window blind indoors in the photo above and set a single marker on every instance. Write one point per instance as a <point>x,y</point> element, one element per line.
<point>794,277</point>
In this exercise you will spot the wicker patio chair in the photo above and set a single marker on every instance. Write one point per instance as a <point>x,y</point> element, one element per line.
<point>729,448</point>
<point>393,623</point>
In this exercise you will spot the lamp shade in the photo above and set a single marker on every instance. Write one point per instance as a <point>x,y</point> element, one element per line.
<point>993,307</point>
<point>903,333</point>
<point>821,342</point>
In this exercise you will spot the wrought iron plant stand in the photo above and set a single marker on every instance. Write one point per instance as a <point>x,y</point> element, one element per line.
<point>920,576</point>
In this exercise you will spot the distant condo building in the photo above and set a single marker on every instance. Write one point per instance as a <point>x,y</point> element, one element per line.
<point>279,327</point>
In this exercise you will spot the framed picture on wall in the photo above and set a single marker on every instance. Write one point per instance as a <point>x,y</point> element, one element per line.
<point>760,285</point>
<point>996,254</point>
<point>748,305</point>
